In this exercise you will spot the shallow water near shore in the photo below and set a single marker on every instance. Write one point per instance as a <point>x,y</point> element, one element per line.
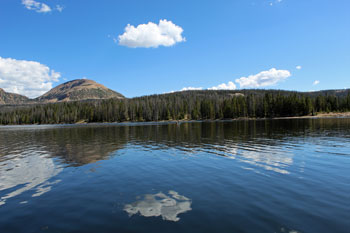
<point>290,175</point>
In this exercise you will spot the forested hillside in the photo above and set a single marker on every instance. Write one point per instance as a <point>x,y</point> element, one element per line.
<point>188,105</point>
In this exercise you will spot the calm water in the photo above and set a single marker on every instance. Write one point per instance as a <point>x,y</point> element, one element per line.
<point>243,176</point>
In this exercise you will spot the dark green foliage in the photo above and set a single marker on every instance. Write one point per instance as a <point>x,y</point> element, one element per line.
<point>189,105</point>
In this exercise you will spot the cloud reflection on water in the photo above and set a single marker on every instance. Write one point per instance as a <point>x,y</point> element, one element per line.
<point>267,158</point>
<point>25,173</point>
<point>154,205</point>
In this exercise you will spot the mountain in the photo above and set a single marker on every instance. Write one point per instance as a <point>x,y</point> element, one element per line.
<point>77,90</point>
<point>11,98</point>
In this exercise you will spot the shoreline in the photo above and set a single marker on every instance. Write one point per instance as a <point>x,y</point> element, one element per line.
<point>330,115</point>
<point>318,116</point>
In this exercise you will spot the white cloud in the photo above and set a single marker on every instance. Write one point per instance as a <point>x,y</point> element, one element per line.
<point>298,67</point>
<point>191,88</point>
<point>28,78</point>
<point>59,8</point>
<point>229,86</point>
<point>115,40</point>
<point>36,6</point>
<point>264,78</point>
<point>275,2</point>
<point>152,35</point>
<point>316,82</point>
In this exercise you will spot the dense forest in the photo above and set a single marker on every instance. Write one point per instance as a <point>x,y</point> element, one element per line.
<point>188,105</point>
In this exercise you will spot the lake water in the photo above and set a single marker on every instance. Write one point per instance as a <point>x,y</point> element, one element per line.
<point>240,176</point>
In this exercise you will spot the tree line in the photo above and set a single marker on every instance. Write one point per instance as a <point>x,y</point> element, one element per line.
<point>188,105</point>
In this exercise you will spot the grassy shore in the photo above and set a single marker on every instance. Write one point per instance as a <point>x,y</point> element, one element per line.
<point>321,115</point>
<point>334,114</point>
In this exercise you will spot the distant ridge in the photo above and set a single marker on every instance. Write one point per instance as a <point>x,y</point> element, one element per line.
<point>12,98</point>
<point>85,89</point>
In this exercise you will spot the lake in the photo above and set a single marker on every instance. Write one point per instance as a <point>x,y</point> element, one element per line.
<point>290,175</point>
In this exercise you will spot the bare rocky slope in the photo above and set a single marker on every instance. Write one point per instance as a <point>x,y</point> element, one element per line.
<point>11,98</point>
<point>76,90</point>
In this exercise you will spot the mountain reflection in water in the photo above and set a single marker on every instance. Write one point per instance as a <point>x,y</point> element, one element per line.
<point>260,144</point>
<point>238,176</point>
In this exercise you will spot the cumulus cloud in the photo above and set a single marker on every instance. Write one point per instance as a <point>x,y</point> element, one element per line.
<point>28,78</point>
<point>298,67</point>
<point>229,86</point>
<point>264,78</point>
<point>36,6</point>
<point>166,33</point>
<point>316,82</point>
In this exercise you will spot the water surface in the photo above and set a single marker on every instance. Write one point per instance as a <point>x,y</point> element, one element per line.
<point>240,176</point>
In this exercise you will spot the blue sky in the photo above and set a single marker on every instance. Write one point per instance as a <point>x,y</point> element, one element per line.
<point>200,44</point>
